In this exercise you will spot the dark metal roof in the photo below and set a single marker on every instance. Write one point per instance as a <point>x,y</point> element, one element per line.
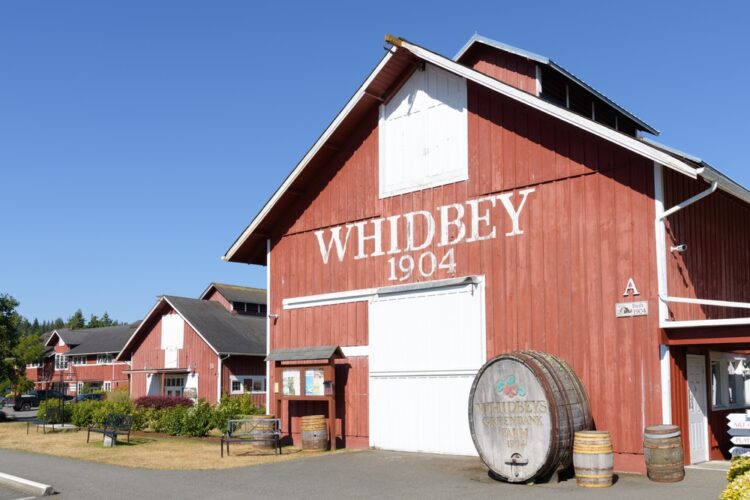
<point>305,353</point>
<point>225,332</point>
<point>108,339</point>
<point>234,293</point>
<point>478,39</point>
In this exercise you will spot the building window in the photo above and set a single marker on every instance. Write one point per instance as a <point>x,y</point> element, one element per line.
<point>104,359</point>
<point>174,386</point>
<point>107,386</point>
<point>423,133</point>
<point>730,380</point>
<point>78,360</point>
<point>72,387</point>
<point>61,362</point>
<point>248,384</point>
<point>34,365</point>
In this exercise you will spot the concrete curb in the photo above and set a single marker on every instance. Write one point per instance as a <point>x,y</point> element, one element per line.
<point>19,483</point>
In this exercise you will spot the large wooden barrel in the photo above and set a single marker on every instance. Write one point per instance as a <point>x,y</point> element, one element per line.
<point>314,433</point>
<point>662,449</point>
<point>524,408</point>
<point>593,459</point>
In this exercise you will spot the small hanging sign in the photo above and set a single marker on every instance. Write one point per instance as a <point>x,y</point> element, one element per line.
<point>629,309</point>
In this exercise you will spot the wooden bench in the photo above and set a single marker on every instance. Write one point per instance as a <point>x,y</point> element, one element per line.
<point>51,417</point>
<point>252,431</point>
<point>115,424</point>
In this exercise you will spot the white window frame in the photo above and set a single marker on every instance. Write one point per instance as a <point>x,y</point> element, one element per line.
<point>107,385</point>
<point>78,359</point>
<point>720,389</point>
<point>108,359</point>
<point>34,365</point>
<point>61,362</point>
<point>242,378</point>
<point>73,387</point>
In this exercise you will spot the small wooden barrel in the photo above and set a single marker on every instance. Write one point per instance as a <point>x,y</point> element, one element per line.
<point>524,408</point>
<point>593,459</point>
<point>314,433</point>
<point>662,449</point>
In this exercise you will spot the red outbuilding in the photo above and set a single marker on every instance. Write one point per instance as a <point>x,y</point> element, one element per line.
<point>201,348</point>
<point>457,209</point>
<point>80,359</point>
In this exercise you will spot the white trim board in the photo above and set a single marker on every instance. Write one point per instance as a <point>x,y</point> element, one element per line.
<point>535,102</point>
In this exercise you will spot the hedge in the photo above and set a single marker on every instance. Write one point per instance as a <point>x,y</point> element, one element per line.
<point>179,417</point>
<point>739,480</point>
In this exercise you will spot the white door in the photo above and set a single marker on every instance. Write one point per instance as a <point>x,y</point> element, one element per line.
<point>697,408</point>
<point>426,346</point>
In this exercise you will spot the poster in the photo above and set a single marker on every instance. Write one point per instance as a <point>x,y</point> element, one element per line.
<point>314,383</point>
<point>291,382</point>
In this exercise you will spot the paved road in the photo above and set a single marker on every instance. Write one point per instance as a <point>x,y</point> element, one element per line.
<point>365,475</point>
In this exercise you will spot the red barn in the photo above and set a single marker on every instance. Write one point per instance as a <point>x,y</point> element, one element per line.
<point>85,358</point>
<point>201,348</point>
<point>456,209</point>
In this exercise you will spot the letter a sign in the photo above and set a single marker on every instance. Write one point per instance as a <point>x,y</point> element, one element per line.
<point>630,289</point>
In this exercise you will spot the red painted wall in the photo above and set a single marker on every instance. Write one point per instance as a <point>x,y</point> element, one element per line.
<point>195,353</point>
<point>588,228</point>
<point>509,68</point>
<point>216,296</point>
<point>716,265</point>
<point>243,365</point>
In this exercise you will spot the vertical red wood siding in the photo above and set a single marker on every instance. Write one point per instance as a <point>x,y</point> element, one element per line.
<point>588,228</point>
<point>243,365</point>
<point>216,296</point>
<point>195,353</point>
<point>509,68</point>
<point>716,264</point>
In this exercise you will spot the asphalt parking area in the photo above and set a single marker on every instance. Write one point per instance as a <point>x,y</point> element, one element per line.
<point>363,474</point>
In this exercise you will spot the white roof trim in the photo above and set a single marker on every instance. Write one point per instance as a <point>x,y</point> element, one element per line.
<point>502,46</point>
<point>602,131</point>
<point>563,114</point>
<point>153,309</point>
<point>309,156</point>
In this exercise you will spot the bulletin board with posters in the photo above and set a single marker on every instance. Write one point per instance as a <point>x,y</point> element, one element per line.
<point>306,374</point>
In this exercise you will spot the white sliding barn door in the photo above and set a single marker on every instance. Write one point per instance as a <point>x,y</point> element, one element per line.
<point>425,349</point>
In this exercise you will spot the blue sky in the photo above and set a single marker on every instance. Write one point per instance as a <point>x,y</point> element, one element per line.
<point>139,138</point>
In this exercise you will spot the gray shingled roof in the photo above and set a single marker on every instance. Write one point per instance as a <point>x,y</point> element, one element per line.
<point>305,353</point>
<point>234,293</point>
<point>227,333</point>
<point>97,340</point>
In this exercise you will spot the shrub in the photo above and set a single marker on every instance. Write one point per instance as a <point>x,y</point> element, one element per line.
<point>199,420</point>
<point>82,413</point>
<point>739,466</point>
<point>55,403</point>
<point>121,393</point>
<point>160,402</point>
<point>171,420</point>
<point>234,407</point>
<point>738,489</point>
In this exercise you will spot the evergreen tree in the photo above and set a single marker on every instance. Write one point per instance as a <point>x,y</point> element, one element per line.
<point>94,322</point>
<point>106,320</point>
<point>9,321</point>
<point>77,320</point>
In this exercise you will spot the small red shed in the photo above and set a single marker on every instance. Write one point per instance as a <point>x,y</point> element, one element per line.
<point>457,209</point>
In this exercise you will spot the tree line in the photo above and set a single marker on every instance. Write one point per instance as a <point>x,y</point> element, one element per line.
<point>21,340</point>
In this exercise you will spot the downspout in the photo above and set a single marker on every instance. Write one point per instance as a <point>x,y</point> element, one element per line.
<point>661,215</point>
<point>220,377</point>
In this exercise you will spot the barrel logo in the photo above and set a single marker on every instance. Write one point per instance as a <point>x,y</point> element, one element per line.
<point>509,387</point>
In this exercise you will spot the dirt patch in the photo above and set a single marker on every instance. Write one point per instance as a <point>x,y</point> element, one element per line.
<point>145,450</point>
